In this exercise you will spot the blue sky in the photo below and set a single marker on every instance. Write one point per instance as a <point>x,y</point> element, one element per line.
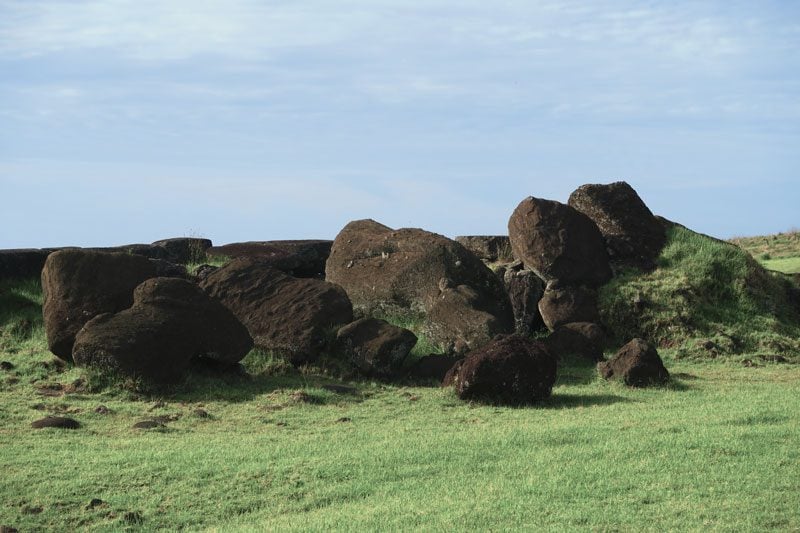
<point>129,121</point>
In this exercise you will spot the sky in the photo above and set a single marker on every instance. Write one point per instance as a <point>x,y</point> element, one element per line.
<point>125,121</point>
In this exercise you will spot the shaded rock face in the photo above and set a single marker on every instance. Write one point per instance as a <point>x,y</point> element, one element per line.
<point>458,321</point>
<point>171,322</point>
<point>525,289</point>
<point>511,370</point>
<point>433,367</point>
<point>583,339</point>
<point>632,234</point>
<point>301,259</point>
<point>78,285</point>
<point>165,269</point>
<point>376,347</point>
<point>292,317</point>
<point>488,248</point>
<point>558,243</point>
<point>561,305</point>
<point>16,264</point>
<point>185,250</point>
<point>636,364</point>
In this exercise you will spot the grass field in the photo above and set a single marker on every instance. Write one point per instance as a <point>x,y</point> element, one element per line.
<point>715,450</point>
<point>779,252</point>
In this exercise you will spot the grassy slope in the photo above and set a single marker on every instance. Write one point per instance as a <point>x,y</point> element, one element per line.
<point>716,450</point>
<point>704,290</point>
<point>779,252</point>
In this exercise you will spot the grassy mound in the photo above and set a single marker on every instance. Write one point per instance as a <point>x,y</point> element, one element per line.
<point>706,298</point>
<point>779,252</point>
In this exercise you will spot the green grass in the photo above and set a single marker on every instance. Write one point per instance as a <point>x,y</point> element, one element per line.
<point>707,298</point>
<point>780,252</point>
<point>717,449</point>
<point>787,265</point>
<point>217,261</point>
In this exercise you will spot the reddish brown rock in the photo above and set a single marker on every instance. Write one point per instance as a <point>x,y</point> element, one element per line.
<point>561,305</point>
<point>376,347</point>
<point>488,248</point>
<point>301,259</point>
<point>632,234</point>
<point>511,370</point>
<point>636,364</point>
<point>525,289</point>
<point>558,243</point>
<point>79,285</point>
<point>583,339</point>
<point>170,323</point>
<point>292,317</point>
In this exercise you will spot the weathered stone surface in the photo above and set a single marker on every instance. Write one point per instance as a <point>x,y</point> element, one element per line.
<point>376,347</point>
<point>18,264</point>
<point>525,289</point>
<point>583,339</point>
<point>149,251</point>
<point>488,248</point>
<point>185,250</point>
<point>301,259</point>
<point>165,269</point>
<point>203,271</point>
<point>382,267</point>
<point>293,317</point>
<point>79,285</point>
<point>558,243</point>
<point>632,234</point>
<point>636,364</point>
<point>461,320</point>
<point>433,367</point>
<point>511,369</point>
<point>171,322</point>
<point>561,305</point>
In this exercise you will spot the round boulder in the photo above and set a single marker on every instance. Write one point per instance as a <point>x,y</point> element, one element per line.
<point>510,370</point>
<point>376,347</point>
<point>78,285</point>
<point>558,243</point>
<point>561,305</point>
<point>636,364</point>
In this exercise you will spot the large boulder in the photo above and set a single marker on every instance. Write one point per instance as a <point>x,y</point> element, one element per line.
<point>489,248</point>
<point>78,285</point>
<point>632,234</point>
<point>525,289</point>
<point>292,317</point>
<point>375,347</point>
<point>636,364</point>
<point>561,305</point>
<point>27,263</point>
<point>458,321</point>
<point>558,243</point>
<point>171,322</point>
<point>511,369</point>
<point>185,250</point>
<point>586,340</point>
<point>301,259</point>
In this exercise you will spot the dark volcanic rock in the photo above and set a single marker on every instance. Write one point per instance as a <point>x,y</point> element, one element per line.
<point>301,259</point>
<point>376,347</point>
<point>22,263</point>
<point>636,364</point>
<point>165,269</point>
<point>185,250</point>
<point>561,305</point>
<point>203,271</point>
<point>525,289</point>
<point>434,366</point>
<point>171,322</point>
<point>461,320</point>
<point>633,235</point>
<point>293,317</point>
<point>558,243</point>
<point>584,339</point>
<point>55,422</point>
<point>489,248</point>
<point>79,285</point>
<point>511,369</point>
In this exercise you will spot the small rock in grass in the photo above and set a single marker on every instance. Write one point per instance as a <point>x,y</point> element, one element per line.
<point>637,364</point>
<point>201,413</point>
<point>55,422</point>
<point>32,509</point>
<point>6,365</point>
<point>102,410</point>
<point>344,419</point>
<point>7,529</point>
<point>95,502</point>
<point>148,424</point>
